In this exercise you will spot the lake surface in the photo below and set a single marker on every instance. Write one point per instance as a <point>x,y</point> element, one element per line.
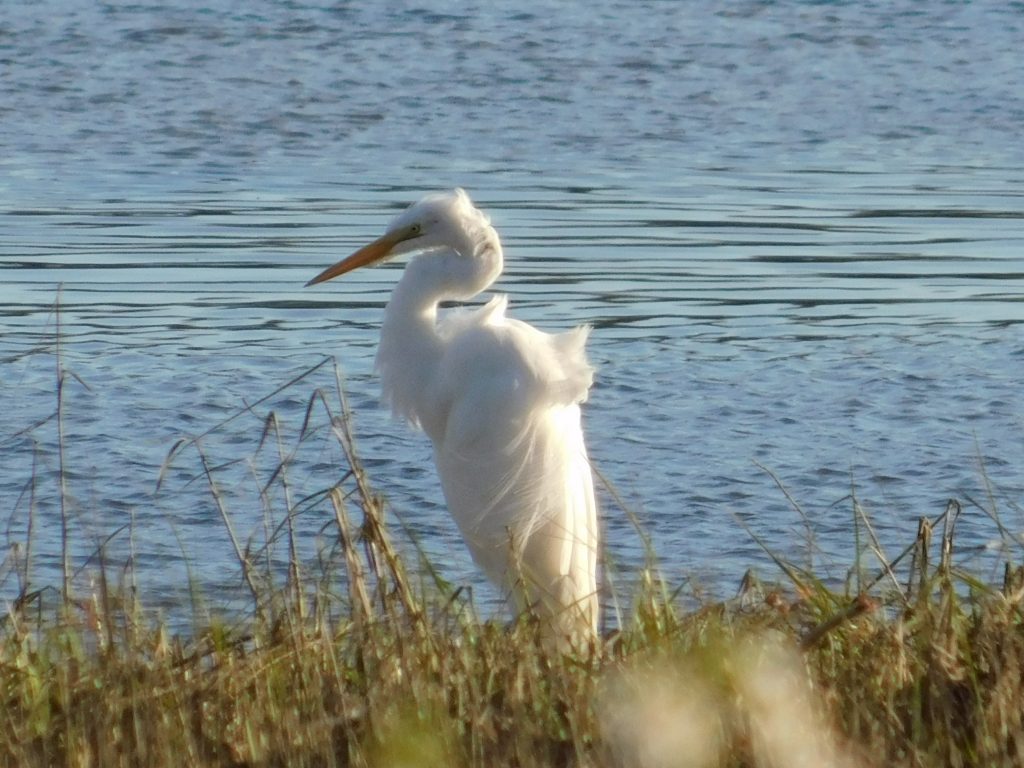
<point>797,229</point>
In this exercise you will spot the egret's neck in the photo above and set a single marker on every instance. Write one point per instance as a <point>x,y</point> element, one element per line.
<point>411,347</point>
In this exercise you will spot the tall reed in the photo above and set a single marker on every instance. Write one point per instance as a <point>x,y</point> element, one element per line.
<point>355,658</point>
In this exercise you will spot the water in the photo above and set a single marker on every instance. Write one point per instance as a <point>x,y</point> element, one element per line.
<point>796,228</point>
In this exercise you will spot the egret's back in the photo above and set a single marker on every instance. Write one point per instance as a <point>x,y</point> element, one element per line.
<point>513,463</point>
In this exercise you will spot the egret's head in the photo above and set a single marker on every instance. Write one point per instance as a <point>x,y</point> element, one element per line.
<point>446,220</point>
<point>436,221</point>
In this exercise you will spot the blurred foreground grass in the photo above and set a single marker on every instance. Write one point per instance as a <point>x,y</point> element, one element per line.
<point>921,666</point>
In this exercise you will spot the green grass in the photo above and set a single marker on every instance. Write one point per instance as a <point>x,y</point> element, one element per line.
<point>375,665</point>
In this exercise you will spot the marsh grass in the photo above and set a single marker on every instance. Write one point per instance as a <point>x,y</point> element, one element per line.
<point>354,658</point>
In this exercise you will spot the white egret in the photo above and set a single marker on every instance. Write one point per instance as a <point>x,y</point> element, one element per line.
<point>501,402</point>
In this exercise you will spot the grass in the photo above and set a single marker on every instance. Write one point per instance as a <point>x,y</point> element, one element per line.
<point>359,661</point>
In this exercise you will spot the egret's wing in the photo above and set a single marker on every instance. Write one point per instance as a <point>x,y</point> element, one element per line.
<point>512,460</point>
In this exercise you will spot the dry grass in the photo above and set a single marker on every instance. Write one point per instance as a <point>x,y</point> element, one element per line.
<point>921,667</point>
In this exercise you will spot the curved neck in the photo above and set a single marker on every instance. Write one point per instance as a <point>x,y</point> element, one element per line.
<point>410,346</point>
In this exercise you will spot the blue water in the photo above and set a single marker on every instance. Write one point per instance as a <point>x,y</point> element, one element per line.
<point>797,229</point>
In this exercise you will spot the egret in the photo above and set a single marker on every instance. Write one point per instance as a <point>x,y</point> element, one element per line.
<point>500,400</point>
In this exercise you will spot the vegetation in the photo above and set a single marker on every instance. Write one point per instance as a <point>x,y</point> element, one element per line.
<point>922,665</point>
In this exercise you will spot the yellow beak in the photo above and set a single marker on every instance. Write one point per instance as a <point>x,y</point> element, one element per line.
<point>376,251</point>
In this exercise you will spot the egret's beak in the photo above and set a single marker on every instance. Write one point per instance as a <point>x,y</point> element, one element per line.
<point>376,251</point>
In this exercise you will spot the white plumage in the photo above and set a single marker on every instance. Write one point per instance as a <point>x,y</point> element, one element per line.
<point>501,402</point>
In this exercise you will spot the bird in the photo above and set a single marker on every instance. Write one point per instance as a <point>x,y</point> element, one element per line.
<point>500,401</point>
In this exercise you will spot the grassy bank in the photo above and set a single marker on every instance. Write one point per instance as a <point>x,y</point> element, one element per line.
<point>918,665</point>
